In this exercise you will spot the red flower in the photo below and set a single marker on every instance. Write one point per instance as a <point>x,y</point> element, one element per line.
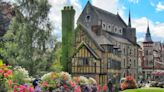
<point>1,71</point>
<point>10,72</point>
<point>129,78</point>
<point>44,84</point>
<point>105,88</point>
<point>99,87</point>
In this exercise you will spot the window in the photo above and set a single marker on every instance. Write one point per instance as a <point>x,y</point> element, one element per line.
<point>134,63</point>
<point>146,52</point>
<point>120,31</point>
<point>124,51</point>
<point>130,52</point>
<point>85,61</point>
<point>104,25</point>
<point>115,29</point>
<point>109,26</point>
<point>115,64</point>
<point>88,18</point>
<point>124,63</point>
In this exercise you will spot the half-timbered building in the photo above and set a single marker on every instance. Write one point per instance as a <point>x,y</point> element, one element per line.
<point>104,45</point>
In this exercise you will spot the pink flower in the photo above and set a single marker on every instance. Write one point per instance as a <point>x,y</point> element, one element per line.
<point>6,75</point>
<point>10,82</point>
<point>31,89</point>
<point>10,72</point>
<point>16,88</point>
<point>77,89</point>
<point>22,88</point>
<point>73,84</point>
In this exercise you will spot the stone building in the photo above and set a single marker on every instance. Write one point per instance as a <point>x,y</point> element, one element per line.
<point>151,56</point>
<point>104,45</point>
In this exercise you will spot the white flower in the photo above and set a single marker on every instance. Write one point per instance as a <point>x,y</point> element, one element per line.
<point>92,81</point>
<point>83,80</point>
<point>45,76</point>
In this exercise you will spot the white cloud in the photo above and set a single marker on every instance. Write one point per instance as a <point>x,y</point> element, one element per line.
<point>55,13</point>
<point>112,6</point>
<point>134,1</point>
<point>140,39</point>
<point>156,29</point>
<point>109,5</point>
<point>160,6</point>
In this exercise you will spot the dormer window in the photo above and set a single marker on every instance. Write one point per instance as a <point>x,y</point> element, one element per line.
<point>109,26</point>
<point>104,25</point>
<point>120,31</point>
<point>115,29</point>
<point>88,18</point>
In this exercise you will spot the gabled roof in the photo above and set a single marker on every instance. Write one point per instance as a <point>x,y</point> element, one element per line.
<point>110,17</point>
<point>98,40</point>
<point>83,44</point>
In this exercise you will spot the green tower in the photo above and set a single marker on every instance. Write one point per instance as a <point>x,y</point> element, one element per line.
<point>68,14</point>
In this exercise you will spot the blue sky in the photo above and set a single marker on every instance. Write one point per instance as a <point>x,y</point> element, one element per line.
<point>142,11</point>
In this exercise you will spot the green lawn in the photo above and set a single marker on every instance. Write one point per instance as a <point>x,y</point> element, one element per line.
<point>145,90</point>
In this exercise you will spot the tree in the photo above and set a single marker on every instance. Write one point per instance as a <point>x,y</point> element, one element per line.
<point>28,35</point>
<point>56,56</point>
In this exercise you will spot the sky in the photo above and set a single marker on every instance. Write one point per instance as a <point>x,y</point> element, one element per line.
<point>143,12</point>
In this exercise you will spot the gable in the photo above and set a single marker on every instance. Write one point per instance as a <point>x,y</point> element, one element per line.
<point>88,17</point>
<point>84,51</point>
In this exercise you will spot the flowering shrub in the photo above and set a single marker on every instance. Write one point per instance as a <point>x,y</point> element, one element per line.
<point>64,82</point>
<point>21,75</point>
<point>23,88</point>
<point>129,83</point>
<point>5,77</point>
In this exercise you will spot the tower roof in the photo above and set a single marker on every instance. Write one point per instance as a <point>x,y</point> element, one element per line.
<point>148,35</point>
<point>129,22</point>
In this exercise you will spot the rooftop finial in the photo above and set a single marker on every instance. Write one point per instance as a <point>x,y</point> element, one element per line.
<point>117,11</point>
<point>129,22</point>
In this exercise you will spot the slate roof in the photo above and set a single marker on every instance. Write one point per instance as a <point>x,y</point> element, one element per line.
<point>148,36</point>
<point>99,40</point>
<point>117,38</point>
<point>110,17</point>
<point>106,38</point>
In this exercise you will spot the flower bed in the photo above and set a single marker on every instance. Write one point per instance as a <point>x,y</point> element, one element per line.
<point>17,79</point>
<point>129,83</point>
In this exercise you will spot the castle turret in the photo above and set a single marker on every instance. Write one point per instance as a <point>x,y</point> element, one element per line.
<point>68,14</point>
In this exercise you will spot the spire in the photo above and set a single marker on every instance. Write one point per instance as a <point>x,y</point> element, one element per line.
<point>148,30</point>
<point>129,22</point>
<point>148,35</point>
